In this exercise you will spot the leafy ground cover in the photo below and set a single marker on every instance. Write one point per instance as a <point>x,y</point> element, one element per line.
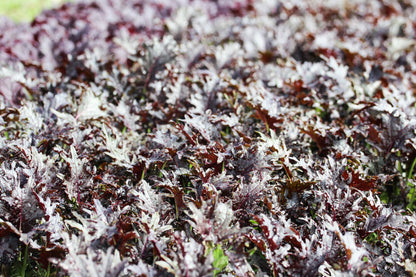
<point>209,138</point>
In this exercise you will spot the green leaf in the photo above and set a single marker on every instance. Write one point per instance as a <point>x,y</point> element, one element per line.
<point>220,260</point>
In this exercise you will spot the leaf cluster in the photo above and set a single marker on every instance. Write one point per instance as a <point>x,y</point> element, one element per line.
<point>209,138</point>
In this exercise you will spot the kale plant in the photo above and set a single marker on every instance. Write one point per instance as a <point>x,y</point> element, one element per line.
<point>209,138</point>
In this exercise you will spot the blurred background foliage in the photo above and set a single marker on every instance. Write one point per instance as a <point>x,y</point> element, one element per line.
<point>26,10</point>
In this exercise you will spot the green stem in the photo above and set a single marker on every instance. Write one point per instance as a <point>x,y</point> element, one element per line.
<point>409,176</point>
<point>411,169</point>
<point>163,167</point>
<point>24,265</point>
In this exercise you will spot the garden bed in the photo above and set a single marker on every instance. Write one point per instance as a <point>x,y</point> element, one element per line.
<point>203,138</point>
